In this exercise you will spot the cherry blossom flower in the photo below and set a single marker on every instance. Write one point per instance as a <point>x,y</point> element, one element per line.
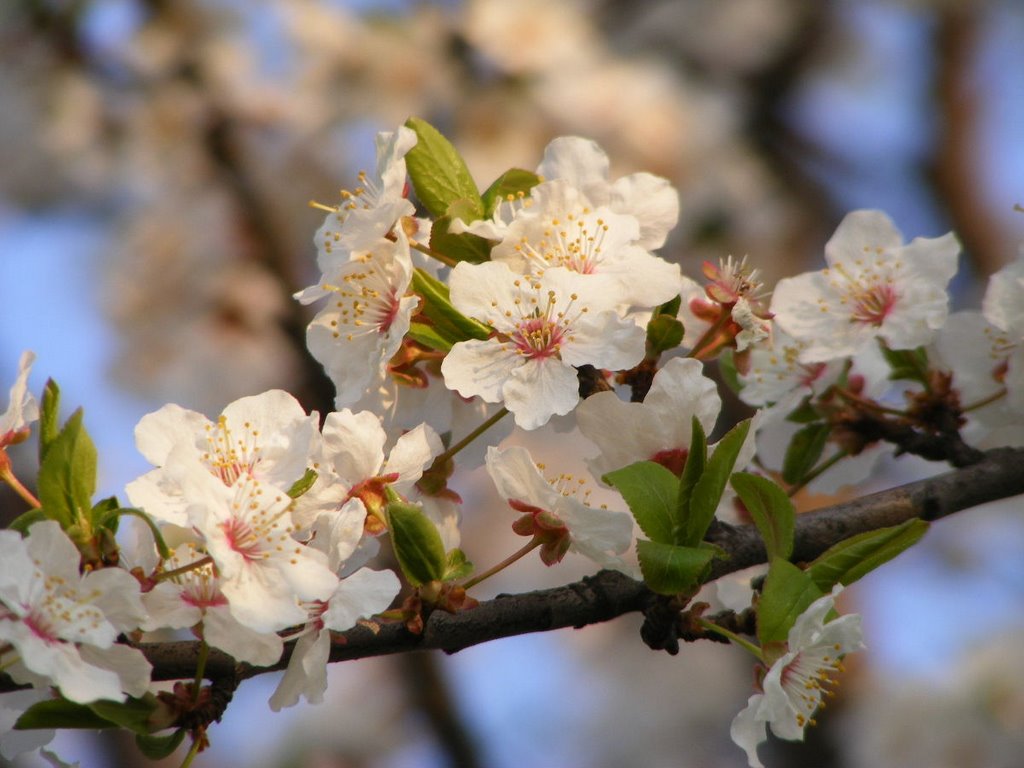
<point>354,472</point>
<point>370,211</point>
<point>367,316</point>
<point>793,687</point>
<point>22,408</point>
<point>659,428</point>
<point>1003,307</point>
<point>544,326</point>
<point>247,529</point>
<point>650,199</point>
<point>554,512</point>
<point>359,594</point>
<point>562,228</point>
<point>268,437</point>
<point>194,599</point>
<point>874,287</point>
<point>58,627</point>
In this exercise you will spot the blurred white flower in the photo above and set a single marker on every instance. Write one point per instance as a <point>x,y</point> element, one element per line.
<point>22,408</point>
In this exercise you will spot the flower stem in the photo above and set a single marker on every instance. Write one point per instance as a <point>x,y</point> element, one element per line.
<point>518,554</point>
<point>498,416</point>
<point>197,683</point>
<point>195,565</point>
<point>8,477</point>
<point>709,338</point>
<point>192,752</point>
<point>984,401</point>
<point>817,472</point>
<point>732,637</point>
<point>448,261</point>
<point>867,404</point>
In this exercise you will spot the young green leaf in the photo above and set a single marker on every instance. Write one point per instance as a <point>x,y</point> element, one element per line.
<point>509,185</point>
<point>159,747</point>
<point>707,491</point>
<point>787,593</point>
<point>663,333</point>
<point>650,491</point>
<point>428,336</point>
<point>110,517</point>
<point>696,460</point>
<point>804,451</point>
<point>417,543</point>
<point>462,247</point>
<point>805,413</point>
<point>132,714</point>
<point>303,484</point>
<point>49,417</point>
<point>438,173</point>
<point>26,520</point>
<point>448,322</point>
<point>856,556</point>
<point>909,364</point>
<point>457,566</point>
<point>669,569</point>
<point>60,713</point>
<point>67,476</point>
<point>770,509</point>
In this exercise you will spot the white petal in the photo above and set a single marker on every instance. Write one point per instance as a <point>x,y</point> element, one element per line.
<point>158,432</point>
<point>354,444</point>
<point>748,730</point>
<point>517,478</point>
<point>306,674</point>
<point>412,453</point>
<point>360,595</point>
<point>581,162</point>
<point>129,664</point>
<point>652,200</point>
<point>540,389</point>
<point>221,630</point>
<point>477,368</point>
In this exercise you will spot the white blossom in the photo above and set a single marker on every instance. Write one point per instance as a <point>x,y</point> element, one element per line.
<point>1003,307</point>
<point>59,627</point>
<point>795,683</point>
<point>874,287</point>
<point>366,317</point>
<point>556,510</point>
<point>544,326</point>
<point>22,408</point>
<point>268,437</point>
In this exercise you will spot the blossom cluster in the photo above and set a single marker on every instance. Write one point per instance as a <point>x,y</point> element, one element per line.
<point>543,300</point>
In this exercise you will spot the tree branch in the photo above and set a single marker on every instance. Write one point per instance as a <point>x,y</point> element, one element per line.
<point>610,594</point>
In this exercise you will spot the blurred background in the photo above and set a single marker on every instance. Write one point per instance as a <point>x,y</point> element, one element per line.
<point>156,160</point>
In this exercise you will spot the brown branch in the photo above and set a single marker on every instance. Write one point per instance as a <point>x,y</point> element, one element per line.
<point>609,594</point>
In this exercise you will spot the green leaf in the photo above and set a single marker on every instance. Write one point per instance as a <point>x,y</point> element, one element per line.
<point>727,370</point>
<point>805,413</point>
<point>462,247</point>
<point>787,593</point>
<point>303,484</point>
<point>448,322</point>
<point>132,714</point>
<point>457,566</point>
<point>510,183</point>
<point>669,569</point>
<point>104,513</point>
<point>650,491</point>
<point>909,364</point>
<point>707,492</point>
<point>671,307</point>
<point>49,417</point>
<point>159,747</point>
<point>158,538</point>
<point>663,333</point>
<point>417,543</point>
<point>26,520</point>
<point>804,451</point>
<point>696,461</point>
<point>60,713</point>
<point>67,476</point>
<point>856,556</point>
<point>428,336</point>
<point>438,173</point>
<point>770,509</point>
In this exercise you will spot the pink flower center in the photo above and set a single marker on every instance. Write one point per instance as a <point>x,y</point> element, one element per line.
<point>242,538</point>
<point>42,628</point>
<point>872,304</point>
<point>538,337</point>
